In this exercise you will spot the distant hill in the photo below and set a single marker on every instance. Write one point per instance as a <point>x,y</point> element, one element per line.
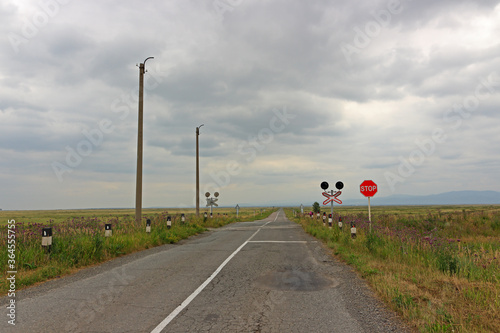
<point>447,198</point>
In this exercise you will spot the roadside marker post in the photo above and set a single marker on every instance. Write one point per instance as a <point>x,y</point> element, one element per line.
<point>340,222</point>
<point>169,222</point>
<point>237,210</point>
<point>324,219</point>
<point>47,238</point>
<point>330,221</point>
<point>148,225</point>
<point>368,188</point>
<point>108,231</point>
<point>183,218</point>
<point>353,230</point>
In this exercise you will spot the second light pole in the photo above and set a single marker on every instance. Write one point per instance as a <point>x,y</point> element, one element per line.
<point>138,185</point>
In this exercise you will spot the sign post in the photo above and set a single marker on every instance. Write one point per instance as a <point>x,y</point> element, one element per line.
<point>368,188</point>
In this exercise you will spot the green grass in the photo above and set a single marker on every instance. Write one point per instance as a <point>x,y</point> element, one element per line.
<point>438,266</point>
<point>79,241</point>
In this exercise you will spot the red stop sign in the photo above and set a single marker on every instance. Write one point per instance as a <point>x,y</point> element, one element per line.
<point>368,188</point>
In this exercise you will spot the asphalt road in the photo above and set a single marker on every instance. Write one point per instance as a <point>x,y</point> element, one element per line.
<point>262,276</point>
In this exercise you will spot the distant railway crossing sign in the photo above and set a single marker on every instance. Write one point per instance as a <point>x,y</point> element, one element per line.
<point>212,202</point>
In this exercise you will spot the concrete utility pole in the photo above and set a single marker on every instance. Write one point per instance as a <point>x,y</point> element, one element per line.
<point>138,185</point>
<point>198,172</point>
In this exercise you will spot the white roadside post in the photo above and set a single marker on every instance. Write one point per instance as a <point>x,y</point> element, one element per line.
<point>169,222</point>
<point>108,232</point>
<point>183,218</point>
<point>47,238</point>
<point>148,225</point>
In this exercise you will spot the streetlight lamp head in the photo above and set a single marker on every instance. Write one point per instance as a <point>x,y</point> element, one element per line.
<point>144,63</point>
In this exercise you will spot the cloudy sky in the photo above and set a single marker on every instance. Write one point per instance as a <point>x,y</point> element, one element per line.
<point>291,93</point>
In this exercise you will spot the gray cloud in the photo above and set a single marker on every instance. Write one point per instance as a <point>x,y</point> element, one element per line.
<point>350,119</point>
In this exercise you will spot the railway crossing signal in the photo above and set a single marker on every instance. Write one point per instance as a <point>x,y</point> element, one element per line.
<point>332,196</point>
<point>212,201</point>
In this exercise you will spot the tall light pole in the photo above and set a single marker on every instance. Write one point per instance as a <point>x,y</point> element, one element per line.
<point>138,184</point>
<point>198,172</point>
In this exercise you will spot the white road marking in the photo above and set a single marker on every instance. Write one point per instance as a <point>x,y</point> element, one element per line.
<point>191,297</point>
<point>301,242</point>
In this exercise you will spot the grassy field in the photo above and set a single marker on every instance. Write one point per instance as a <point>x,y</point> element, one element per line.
<point>438,266</point>
<point>79,237</point>
<point>57,216</point>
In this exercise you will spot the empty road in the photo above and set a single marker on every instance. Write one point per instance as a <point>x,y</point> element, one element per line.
<point>261,276</point>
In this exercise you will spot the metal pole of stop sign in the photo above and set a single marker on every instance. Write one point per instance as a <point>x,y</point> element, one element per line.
<point>369,215</point>
<point>368,188</point>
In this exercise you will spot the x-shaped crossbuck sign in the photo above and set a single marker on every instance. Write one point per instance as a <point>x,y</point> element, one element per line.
<point>332,197</point>
<point>212,202</point>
